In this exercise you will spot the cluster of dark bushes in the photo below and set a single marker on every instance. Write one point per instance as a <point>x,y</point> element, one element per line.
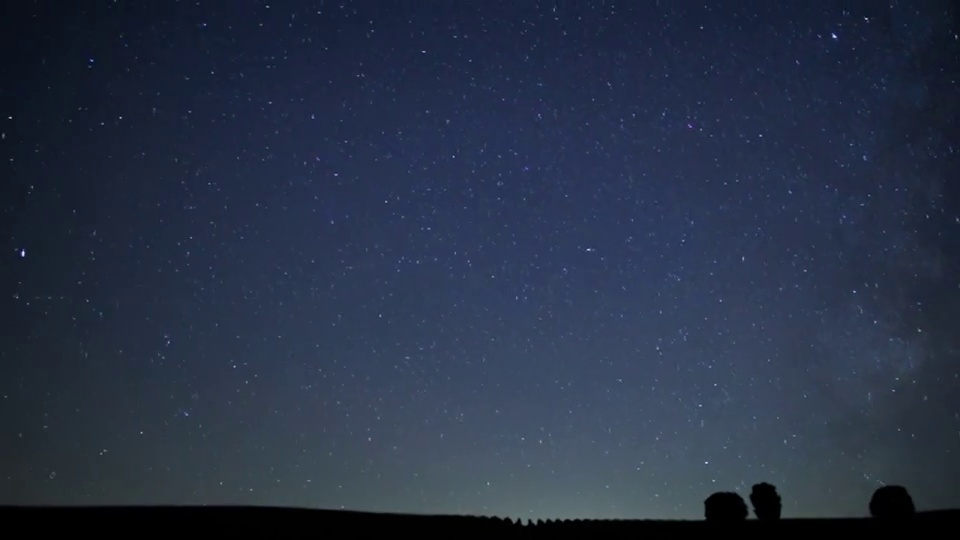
<point>888,502</point>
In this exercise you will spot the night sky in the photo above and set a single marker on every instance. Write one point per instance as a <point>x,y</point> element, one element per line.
<point>540,260</point>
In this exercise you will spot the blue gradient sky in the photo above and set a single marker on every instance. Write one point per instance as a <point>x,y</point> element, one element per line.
<point>546,260</point>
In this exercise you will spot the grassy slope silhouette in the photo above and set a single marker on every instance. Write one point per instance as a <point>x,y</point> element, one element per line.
<point>256,520</point>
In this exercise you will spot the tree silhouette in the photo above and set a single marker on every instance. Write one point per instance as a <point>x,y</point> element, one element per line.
<point>725,506</point>
<point>891,502</point>
<point>765,501</point>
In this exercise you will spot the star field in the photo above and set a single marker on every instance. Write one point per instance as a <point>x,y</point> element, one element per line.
<point>533,259</point>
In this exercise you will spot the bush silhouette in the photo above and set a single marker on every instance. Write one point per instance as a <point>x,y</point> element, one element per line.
<point>725,506</point>
<point>891,502</point>
<point>765,501</point>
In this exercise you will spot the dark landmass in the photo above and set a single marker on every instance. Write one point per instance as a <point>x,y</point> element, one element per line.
<point>273,521</point>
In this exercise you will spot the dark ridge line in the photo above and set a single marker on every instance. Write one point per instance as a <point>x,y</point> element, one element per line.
<point>254,511</point>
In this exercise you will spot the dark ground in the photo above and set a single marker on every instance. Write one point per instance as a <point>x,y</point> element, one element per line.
<point>258,520</point>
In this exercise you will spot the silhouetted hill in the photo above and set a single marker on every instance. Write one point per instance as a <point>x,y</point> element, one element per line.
<point>278,521</point>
